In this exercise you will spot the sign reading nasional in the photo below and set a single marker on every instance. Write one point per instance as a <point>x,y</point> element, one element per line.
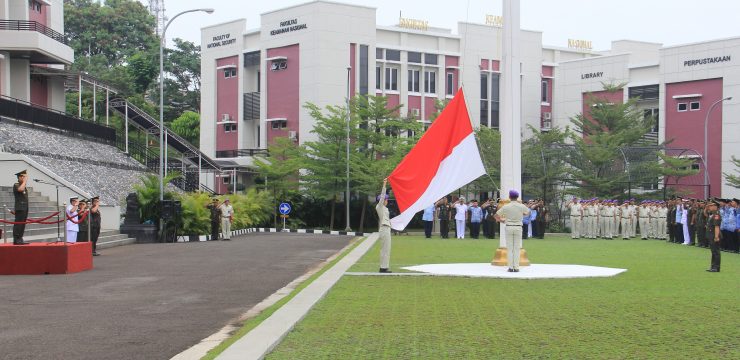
<point>580,44</point>
<point>414,24</point>
<point>495,20</point>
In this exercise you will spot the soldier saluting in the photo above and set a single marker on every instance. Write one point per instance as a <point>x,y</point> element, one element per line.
<point>21,207</point>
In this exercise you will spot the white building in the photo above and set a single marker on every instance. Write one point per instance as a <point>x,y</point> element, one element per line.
<point>255,82</point>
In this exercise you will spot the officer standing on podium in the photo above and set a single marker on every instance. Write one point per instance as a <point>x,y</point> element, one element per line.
<point>21,207</point>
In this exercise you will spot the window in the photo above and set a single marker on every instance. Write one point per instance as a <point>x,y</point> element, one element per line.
<point>251,58</point>
<point>484,113</point>
<point>226,180</point>
<point>379,53</point>
<point>651,115</point>
<point>363,70</point>
<point>391,79</point>
<point>229,127</point>
<point>35,5</point>
<point>279,124</point>
<point>377,77</point>
<point>414,57</point>
<point>484,86</point>
<point>450,84</point>
<point>683,107</point>
<point>279,65</point>
<point>430,59</point>
<point>694,106</point>
<point>229,73</point>
<point>430,82</point>
<point>393,55</point>
<point>647,92</point>
<point>544,91</point>
<point>413,81</point>
<point>259,80</point>
<point>494,100</point>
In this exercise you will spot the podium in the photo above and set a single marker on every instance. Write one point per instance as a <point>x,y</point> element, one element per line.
<point>45,258</point>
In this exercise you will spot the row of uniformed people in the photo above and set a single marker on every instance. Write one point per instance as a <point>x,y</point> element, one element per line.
<point>595,218</point>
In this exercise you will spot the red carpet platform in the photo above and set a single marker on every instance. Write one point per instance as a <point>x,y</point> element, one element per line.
<point>45,258</point>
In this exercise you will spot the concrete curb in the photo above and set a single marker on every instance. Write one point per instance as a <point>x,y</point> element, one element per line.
<point>261,340</point>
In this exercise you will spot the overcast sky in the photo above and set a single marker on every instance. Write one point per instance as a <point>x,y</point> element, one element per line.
<point>663,21</point>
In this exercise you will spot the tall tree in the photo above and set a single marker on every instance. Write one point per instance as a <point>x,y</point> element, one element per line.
<point>382,141</point>
<point>188,126</point>
<point>325,159</point>
<point>734,180</point>
<point>279,171</point>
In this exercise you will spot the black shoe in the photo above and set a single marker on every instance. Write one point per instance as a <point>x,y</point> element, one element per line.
<point>21,243</point>
<point>510,270</point>
<point>712,270</point>
<point>225,239</point>
<point>516,270</point>
<point>385,271</point>
<point>96,254</point>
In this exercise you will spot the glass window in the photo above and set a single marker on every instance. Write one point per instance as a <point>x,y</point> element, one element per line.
<point>495,87</point>
<point>694,106</point>
<point>544,91</point>
<point>414,57</point>
<point>484,113</point>
<point>484,86</point>
<point>393,55</point>
<point>377,77</point>
<point>683,107</point>
<point>430,59</point>
<point>279,124</point>
<point>647,92</point>
<point>363,69</point>
<point>379,53</point>
<point>430,82</point>
<point>413,81</point>
<point>450,84</point>
<point>391,79</point>
<point>229,73</point>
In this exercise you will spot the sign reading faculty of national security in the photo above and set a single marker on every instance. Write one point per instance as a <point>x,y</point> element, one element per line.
<point>707,60</point>
<point>288,26</point>
<point>221,40</point>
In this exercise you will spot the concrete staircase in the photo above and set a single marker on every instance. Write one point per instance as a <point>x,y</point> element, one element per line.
<point>41,206</point>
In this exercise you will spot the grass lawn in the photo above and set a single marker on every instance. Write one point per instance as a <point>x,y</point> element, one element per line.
<point>664,307</point>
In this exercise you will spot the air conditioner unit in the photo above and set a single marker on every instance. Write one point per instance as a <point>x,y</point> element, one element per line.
<point>292,135</point>
<point>225,117</point>
<point>547,115</point>
<point>415,112</point>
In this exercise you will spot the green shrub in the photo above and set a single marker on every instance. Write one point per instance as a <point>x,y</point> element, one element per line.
<point>196,218</point>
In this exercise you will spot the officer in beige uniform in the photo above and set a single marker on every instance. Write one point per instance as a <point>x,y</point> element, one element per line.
<point>576,214</point>
<point>512,215</point>
<point>384,231</point>
<point>227,217</point>
<point>625,217</point>
<point>644,217</point>
<point>633,218</point>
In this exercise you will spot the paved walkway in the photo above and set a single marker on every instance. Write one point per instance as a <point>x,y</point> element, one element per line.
<point>151,301</point>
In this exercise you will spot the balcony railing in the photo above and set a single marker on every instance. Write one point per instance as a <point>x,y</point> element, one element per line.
<point>251,106</point>
<point>24,25</point>
<point>240,153</point>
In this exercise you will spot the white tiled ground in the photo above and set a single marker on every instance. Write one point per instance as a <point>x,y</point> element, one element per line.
<point>534,271</point>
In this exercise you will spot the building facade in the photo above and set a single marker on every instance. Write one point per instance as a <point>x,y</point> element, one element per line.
<point>255,82</point>
<point>31,38</point>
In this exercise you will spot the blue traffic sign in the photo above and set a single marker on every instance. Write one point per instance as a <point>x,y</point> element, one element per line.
<point>284,208</point>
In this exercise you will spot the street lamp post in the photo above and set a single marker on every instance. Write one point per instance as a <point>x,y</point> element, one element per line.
<point>346,194</point>
<point>161,99</point>
<point>706,147</point>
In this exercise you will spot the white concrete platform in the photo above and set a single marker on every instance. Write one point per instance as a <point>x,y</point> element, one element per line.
<point>534,271</point>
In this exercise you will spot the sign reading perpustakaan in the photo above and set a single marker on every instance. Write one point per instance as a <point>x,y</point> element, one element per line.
<point>707,60</point>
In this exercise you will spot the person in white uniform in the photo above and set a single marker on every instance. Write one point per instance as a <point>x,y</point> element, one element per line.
<point>384,229</point>
<point>461,212</point>
<point>70,226</point>
<point>227,218</point>
<point>511,215</point>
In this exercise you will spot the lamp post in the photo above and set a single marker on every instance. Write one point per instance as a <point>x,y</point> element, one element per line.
<point>161,99</point>
<point>346,194</point>
<point>706,147</point>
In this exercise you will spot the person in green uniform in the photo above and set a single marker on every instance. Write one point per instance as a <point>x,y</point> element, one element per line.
<point>443,213</point>
<point>21,207</point>
<point>84,225</point>
<point>384,229</point>
<point>95,223</point>
<point>713,234</point>
<point>701,223</point>
<point>215,219</point>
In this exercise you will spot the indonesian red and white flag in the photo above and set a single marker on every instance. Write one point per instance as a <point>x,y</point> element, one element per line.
<point>445,159</point>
